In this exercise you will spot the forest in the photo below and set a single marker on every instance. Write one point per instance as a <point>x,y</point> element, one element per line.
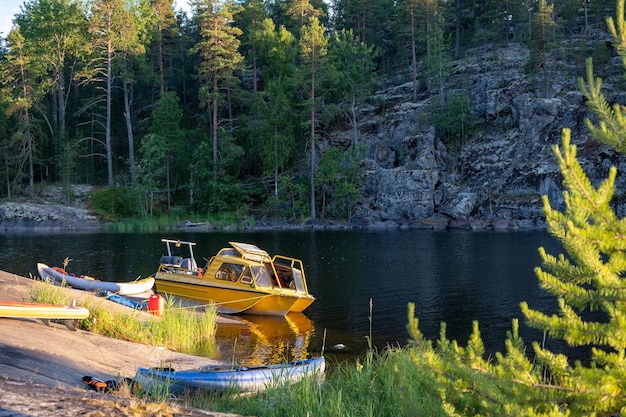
<point>230,109</point>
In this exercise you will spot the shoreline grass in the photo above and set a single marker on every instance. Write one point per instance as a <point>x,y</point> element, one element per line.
<point>154,224</point>
<point>181,329</point>
<point>386,384</point>
<point>379,384</point>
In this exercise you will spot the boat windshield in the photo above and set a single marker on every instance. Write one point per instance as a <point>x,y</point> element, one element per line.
<point>246,278</point>
<point>298,281</point>
<point>261,277</point>
<point>229,272</point>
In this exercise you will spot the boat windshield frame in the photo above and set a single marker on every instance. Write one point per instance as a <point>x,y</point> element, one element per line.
<point>298,277</point>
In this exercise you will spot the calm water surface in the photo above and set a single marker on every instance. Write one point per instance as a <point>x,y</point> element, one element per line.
<point>452,276</point>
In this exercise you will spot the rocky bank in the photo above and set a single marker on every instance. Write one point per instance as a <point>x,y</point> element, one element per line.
<point>50,211</point>
<point>41,366</point>
<point>496,180</point>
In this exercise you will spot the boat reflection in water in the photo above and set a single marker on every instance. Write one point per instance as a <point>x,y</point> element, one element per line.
<point>254,340</point>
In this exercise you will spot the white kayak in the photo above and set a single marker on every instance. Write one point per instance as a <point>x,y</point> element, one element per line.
<point>84,282</point>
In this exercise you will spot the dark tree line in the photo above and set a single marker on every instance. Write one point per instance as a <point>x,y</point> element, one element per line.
<point>226,108</point>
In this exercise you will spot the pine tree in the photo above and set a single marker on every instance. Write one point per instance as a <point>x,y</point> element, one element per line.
<point>162,146</point>
<point>353,74</point>
<point>589,278</point>
<point>611,128</point>
<point>55,32</point>
<point>301,11</point>
<point>219,54</point>
<point>251,21</point>
<point>20,93</point>
<point>133,58</point>
<point>314,47</point>
<point>165,37</point>
<point>370,21</point>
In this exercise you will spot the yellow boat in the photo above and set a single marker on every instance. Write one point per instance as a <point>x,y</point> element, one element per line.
<point>239,279</point>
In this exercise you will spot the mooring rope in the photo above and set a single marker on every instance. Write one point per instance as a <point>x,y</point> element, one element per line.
<point>196,306</point>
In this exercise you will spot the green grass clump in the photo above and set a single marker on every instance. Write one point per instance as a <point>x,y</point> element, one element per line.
<point>385,384</point>
<point>180,329</point>
<point>47,293</point>
<point>185,329</point>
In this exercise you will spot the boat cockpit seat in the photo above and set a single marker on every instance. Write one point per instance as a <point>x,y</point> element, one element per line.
<point>171,260</point>
<point>189,263</point>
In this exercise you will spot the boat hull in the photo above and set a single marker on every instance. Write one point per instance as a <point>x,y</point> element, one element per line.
<point>231,299</point>
<point>12,309</point>
<point>245,379</point>
<point>123,288</point>
<point>301,304</point>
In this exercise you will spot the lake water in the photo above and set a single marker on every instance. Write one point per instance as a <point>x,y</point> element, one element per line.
<point>451,276</point>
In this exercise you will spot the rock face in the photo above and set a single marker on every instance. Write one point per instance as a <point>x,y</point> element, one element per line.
<point>49,215</point>
<point>497,179</point>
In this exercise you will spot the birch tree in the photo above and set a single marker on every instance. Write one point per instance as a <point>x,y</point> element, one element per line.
<point>108,25</point>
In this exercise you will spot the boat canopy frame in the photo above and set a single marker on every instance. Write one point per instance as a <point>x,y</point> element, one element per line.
<point>297,270</point>
<point>179,261</point>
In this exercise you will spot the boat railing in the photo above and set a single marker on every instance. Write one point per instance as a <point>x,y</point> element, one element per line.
<point>297,271</point>
<point>228,252</point>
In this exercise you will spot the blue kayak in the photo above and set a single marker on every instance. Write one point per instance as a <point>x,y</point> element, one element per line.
<point>242,379</point>
<point>120,299</point>
<point>125,301</point>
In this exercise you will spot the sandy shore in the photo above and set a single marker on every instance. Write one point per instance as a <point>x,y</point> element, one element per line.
<point>35,357</point>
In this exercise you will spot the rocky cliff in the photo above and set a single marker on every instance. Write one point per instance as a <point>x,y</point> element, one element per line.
<point>496,180</point>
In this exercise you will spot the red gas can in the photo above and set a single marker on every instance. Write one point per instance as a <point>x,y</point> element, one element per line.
<point>156,305</point>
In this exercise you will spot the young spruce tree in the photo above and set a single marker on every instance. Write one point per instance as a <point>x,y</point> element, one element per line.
<point>590,278</point>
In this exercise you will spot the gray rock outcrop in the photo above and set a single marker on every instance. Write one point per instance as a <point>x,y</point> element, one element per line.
<point>49,214</point>
<point>411,179</point>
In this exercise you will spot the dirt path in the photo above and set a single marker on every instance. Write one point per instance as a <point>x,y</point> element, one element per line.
<point>41,366</point>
